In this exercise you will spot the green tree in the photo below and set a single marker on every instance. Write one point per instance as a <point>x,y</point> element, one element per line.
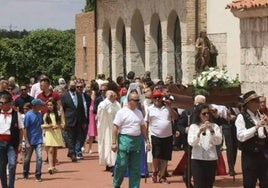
<point>90,5</point>
<point>51,51</point>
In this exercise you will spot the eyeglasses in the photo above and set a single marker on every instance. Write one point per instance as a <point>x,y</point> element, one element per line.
<point>205,113</point>
<point>135,100</point>
<point>23,89</point>
<point>79,87</point>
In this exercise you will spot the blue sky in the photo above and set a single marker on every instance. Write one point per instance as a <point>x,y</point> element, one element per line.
<point>39,14</point>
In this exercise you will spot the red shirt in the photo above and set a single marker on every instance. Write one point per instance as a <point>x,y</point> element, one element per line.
<point>43,97</point>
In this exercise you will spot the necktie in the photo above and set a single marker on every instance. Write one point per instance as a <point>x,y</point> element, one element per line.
<point>74,99</point>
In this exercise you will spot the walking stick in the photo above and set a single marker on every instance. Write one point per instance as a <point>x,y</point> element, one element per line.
<point>232,143</point>
<point>188,154</point>
<point>146,166</point>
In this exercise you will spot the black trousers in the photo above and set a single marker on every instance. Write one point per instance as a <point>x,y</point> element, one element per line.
<point>254,167</point>
<point>204,173</point>
<point>229,132</point>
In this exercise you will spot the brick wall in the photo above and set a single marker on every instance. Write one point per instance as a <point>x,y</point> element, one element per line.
<point>85,65</point>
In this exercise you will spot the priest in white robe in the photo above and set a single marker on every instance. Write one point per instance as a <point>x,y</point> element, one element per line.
<point>106,113</point>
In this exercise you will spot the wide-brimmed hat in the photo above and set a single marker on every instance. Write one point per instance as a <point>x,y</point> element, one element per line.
<point>249,96</point>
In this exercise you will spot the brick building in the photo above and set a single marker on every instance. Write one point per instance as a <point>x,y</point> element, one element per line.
<point>153,35</point>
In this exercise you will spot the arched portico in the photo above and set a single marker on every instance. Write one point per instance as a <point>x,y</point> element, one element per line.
<point>156,47</point>
<point>174,64</point>
<point>120,52</point>
<point>137,44</point>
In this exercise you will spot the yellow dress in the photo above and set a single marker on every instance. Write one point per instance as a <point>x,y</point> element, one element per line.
<point>52,136</point>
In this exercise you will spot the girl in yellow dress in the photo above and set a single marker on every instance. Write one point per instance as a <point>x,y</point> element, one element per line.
<point>53,125</point>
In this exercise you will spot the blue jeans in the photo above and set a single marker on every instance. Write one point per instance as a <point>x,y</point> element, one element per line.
<point>7,156</point>
<point>26,165</point>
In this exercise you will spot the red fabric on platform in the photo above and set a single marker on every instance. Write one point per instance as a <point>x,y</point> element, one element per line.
<point>221,169</point>
<point>179,170</point>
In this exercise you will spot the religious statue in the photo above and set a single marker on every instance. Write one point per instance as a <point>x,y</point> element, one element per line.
<point>206,52</point>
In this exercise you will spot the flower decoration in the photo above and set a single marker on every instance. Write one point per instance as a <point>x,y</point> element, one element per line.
<point>213,77</point>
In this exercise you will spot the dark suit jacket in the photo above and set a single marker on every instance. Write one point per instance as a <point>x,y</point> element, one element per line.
<point>182,123</point>
<point>97,102</point>
<point>74,116</point>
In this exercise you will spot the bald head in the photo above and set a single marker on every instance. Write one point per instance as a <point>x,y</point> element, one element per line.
<point>199,99</point>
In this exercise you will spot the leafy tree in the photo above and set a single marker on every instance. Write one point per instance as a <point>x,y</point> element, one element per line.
<point>90,5</point>
<point>51,51</point>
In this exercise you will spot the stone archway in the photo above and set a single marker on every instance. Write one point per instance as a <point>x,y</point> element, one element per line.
<point>137,44</point>
<point>174,64</point>
<point>120,53</point>
<point>156,47</point>
<point>107,50</point>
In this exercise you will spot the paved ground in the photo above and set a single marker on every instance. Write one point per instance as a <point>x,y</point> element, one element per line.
<point>87,173</point>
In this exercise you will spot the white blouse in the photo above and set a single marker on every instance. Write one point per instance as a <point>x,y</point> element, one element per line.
<point>204,146</point>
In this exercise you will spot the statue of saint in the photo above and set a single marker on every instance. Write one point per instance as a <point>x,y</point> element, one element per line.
<point>206,52</point>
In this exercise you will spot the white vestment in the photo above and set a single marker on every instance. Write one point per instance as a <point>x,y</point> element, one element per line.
<point>106,113</point>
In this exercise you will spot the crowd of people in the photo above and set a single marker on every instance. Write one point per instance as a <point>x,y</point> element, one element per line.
<point>135,124</point>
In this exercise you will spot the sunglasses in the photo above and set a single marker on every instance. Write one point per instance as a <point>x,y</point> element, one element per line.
<point>135,100</point>
<point>205,113</point>
<point>103,90</point>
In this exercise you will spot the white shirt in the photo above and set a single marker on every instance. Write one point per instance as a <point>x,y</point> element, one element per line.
<point>160,121</point>
<point>129,121</point>
<point>242,132</point>
<point>35,90</point>
<point>204,146</point>
<point>6,122</point>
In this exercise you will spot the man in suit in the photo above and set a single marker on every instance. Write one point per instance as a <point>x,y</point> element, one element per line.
<point>75,119</point>
<point>86,102</point>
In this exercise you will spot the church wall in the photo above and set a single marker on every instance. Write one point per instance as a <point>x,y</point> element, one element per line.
<point>136,60</point>
<point>254,50</point>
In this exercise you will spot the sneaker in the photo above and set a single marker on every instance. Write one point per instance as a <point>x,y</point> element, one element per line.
<point>73,158</point>
<point>55,170</point>
<point>164,180</point>
<point>82,149</point>
<point>80,156</point>
<point>154,177</point>
<point>50,171</point>
<point>38,179</point>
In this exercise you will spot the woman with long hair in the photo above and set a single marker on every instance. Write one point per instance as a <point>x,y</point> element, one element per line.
<point>203,136</point>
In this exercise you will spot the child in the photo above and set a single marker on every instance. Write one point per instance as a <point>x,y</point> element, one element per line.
<point>33,138</point>
<point>52,126</point>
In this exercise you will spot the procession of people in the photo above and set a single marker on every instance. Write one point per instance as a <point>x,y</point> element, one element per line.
<point>134,123</point>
